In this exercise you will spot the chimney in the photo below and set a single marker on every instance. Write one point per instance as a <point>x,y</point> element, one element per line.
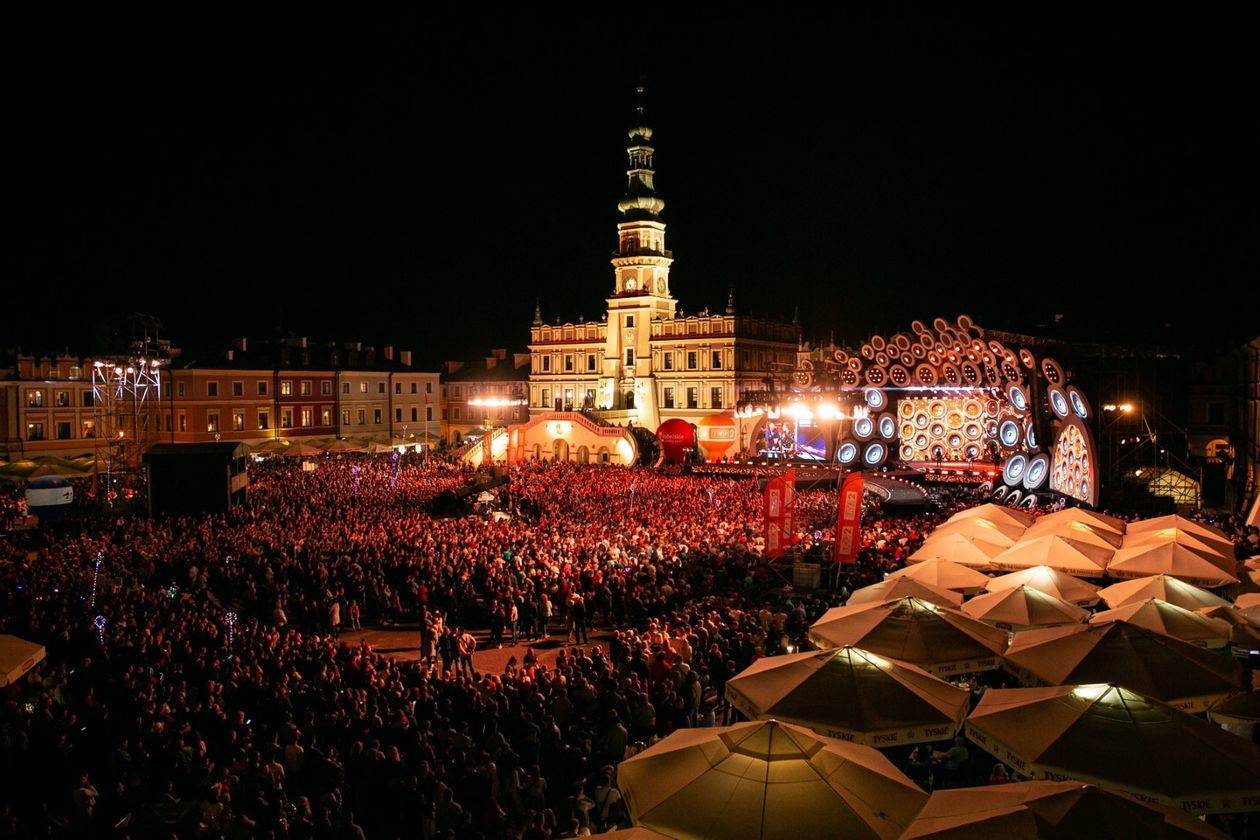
<point>355,346</point>
<point>520,360</point>
<point>499,352</point>
<point>230,353</point>
<point>491,361</point>
<point>240,344</point>
<point>389,352</point>
<point>404,356</point>
<point>451,367</point>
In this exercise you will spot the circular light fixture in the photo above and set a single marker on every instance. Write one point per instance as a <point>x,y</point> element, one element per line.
<point>887,427</point>
<point>1018,399</point>
<point>1058,402</point>
<point>1008,433</point>
<point>874,453</point>
<point>847,453</point>
<point>875,398</point>
<point>1079,404</point>
<point>1036,473</point>
<point>863,428</point>
<point>1013,471</point>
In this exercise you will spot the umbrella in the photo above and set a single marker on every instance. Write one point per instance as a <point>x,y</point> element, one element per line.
<point>995,513</point>
<point>1050,581</point>
<point>269,446</point>
<point>1079,531</point>
<point>17,656</point>
<point>937,639</point>
<point>1240,708</point>
<point>378,448</point>
<point>1165,587</point>
<point>300,449</point>
<point>943,574</point>
<point>1161,557</point>
<point>1045,809</point>
<point>1171,620</point>
<point>59,471</point>
<point>850,694</point>
<point>1003,534</point>
<point>1022,607</point>
<point>1179,528</point>
<point>1176,672</point>
<point>636,833</point>
<point>1244,632</point>
<point>344,445</point>
<point>957,548</point>
<point>766,779</point>
<point>1097,521</point>
<point>891,589</point>
<point>18,469</point>
<point>1120,740</point>
<point>1066,555</point>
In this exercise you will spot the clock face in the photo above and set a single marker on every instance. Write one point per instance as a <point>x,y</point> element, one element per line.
<point>631,284</point>
<point>660,285</point>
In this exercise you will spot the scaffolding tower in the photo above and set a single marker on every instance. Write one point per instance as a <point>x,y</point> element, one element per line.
<point>126,405</point>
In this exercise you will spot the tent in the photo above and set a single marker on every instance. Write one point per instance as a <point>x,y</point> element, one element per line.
<point>943,574</point>
<point>995,513</point>
<point>1165,587</point>
<point>892,588</point>
<point>1171,620</point>
<point>1168,669</point>
<point>766,779</point>
<point>957,548</point>
<point>17,656</point>
<point>937,639</point>
<point>1066,555</point>
<point>1120,740</point>
<point>1003,534</point>
<point>850,694</point>
<point>1021,608</point>
<point>1045,809</point>
<point>1050,581</point>
<point>1079,531</point>
<point>1165,557</point>
<point>1179,528</point>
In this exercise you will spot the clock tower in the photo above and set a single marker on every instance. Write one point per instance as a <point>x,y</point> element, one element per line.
<point>641,284</point>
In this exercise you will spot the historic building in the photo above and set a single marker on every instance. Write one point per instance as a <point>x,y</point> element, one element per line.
<point>644,362</point>
<point>482,394</point>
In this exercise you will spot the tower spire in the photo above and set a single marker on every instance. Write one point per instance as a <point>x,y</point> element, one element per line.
<point>641,202</point>
<point>537,313</point>
<point>730,300</point>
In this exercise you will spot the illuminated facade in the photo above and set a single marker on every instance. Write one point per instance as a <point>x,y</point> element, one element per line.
<point>645,362</point>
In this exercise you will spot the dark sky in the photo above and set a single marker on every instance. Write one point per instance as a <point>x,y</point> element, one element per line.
<point>422,182</point>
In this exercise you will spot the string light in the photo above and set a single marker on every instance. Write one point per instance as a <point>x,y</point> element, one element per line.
<point>99,623</point>
<point>229,618</point>
<point>96,573</point>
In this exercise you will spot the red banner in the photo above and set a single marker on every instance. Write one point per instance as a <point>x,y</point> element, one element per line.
<point>849,520</point>
<point>779,500</point>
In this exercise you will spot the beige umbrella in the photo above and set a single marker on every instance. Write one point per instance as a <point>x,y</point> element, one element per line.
<point>1097,521</point>
<point>1165,587</point>
<point>636,833</point>
<point>957,548</point>
<point>344,445</point>
<point>995,513</point>
<point>850,694</point>
<point>1066,555</point>
<point>1143,559</point>
<point>1120,740</point>
<point>1176,672</point>
<point>937,639</point>
<point>891,589</point>
<point>270,446</point>
<point>1079,531</point>
<point>1170,619</point>
<point>1240,708</point>
<point>1050,581</point>
<point>1046,809</point>
<point>766,779</point>
<point>1022,608</point>
<point>984,530</point>
<point>300,449</point>
<point>944,574</point>
<point>1178,528</point>
<point>17,656</point>
<point>1244,632</point>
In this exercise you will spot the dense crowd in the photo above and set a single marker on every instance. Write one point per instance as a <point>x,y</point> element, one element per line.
<point>199,688</point>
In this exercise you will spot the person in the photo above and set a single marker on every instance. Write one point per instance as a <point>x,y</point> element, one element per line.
<point>467,644</point>
<point>998,775</point>
<point>919,768</point>
<point>334,618</point>
<point>954,764</point>
<point>514,616</point>
<point>578,609</point>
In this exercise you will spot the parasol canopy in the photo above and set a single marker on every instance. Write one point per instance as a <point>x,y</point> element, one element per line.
<point>1171,620</point>
<point>1066,555</point>
<point>1021,608</point>
<point>1178,529</point>
<point>995,513</point>
<point>17,656</point>
<point>1079,531</point>
<point>957,548</point>
<point>1165,587</point>
<point>1165,557</point>
<point>1050,581</point>
<point>892,588</point>
<point>301,450</point>
<point>944,574</point>
<point>766,779</point>
<point>850,694</point>
<point>1003,534</point>
<point>1097,521</point>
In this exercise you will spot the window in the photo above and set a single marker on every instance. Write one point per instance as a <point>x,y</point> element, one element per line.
<point>669,397</point>
<point>629,357</point>
<point>455,412</point>
<point>345,387</point>
<point>63,399</point>
<point>238,421</point>
<point>286,388</point>
<point>305,389</point>
<point>546,400</point>
<point>89,399</point>
<point>238,389</point>
<point>629,322</point>
<point>428,414</point>
<point>89,427</point>
<point>428,387</point>
<point>668,360</point>
<point>380,387</point>
<point>415,414</point>
<point>413,387</point>
<point>693,398</point>
<point>363,387</point>
<point>212,421</point>
<point>568,362</point>
<point>546,363</point>
<point>398,415</point>
<point>183,422</point>
<point>63,430</point>
<point>345,417</point>
<point>362,416</point>
<point>325,388</point>
<point>34,399</point>
<point>308,418</point>
<point>691,360</point>
<point>264,419</point>
<point>715,397</point>
<point>286,418</point>
<point>717,360</point>
<point>212,389</point>
<point>590,362</point>
<point>398,387</point>
<point>325,416</point>
<point>376,416</point>
<point>262,387</point>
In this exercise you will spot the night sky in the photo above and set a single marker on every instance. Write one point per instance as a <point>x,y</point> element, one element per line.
<point>423,183</point>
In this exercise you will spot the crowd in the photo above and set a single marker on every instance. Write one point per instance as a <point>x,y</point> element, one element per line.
<point>157,714</point>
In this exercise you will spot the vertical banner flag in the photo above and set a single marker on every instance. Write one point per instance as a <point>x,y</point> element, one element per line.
<point>849,520</point>
<point>779,498</point>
